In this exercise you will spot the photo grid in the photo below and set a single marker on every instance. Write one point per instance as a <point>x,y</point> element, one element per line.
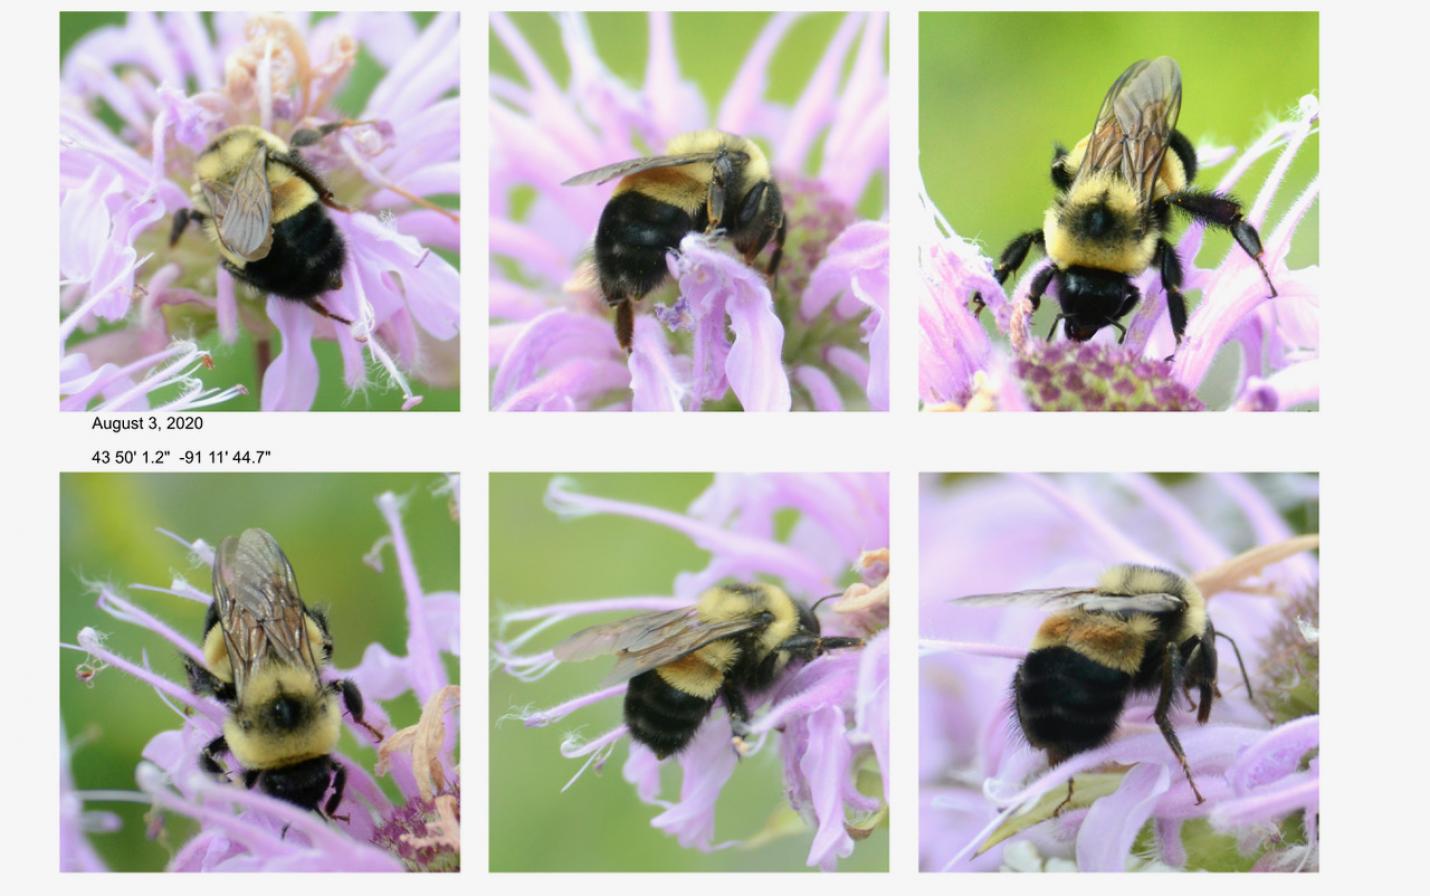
<point>686,657</point>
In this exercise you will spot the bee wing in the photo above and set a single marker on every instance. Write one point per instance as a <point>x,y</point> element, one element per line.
<point>635,166</point>
<point>1135,124</point>
<point>1078,598</point>
<point>243,210</point>
<point>645,642</point>
<point>262,616</point>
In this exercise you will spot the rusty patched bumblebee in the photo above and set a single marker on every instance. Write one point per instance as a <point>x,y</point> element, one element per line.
<point>1140,629</point>
<point>736,639</point>
<point>1116,190</point>
<point>706,181</point>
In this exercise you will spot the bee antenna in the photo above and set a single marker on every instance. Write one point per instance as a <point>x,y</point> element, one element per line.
<point>825,598</point>
<point>1244,677</point>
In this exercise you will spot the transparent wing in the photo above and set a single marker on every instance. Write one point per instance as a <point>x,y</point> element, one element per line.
<point>1135,123</point>
<point>262,616</point>
<point>243,209</point>
<point>651,640</point>
<point>1054,599</point>
<point>634,166</point>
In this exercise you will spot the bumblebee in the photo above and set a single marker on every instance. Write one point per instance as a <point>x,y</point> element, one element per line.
<point>1116,191</point>
<point>707,181</point>
<point>735,640</point>
<point>264,656</point>
<point>261,206</point>
<point>1138,630</point>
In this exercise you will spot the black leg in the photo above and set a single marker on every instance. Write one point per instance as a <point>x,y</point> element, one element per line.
<point>313,304</point>
<point>300,167</point>
<point>202,681</point>
<point>1171,269</point>
<point>182,217</point>
<point>1067,800</point>
<point>739,716</point>
<point>209,757</point>
<point>340,783</point>
<point>1062,177</point>
<point>1014,254</point>
<point>353,703</point>
<point>625,323</point>
<point>1218,210</point>
<point>1171,672</point>
<point>773,268</point>
<point>722,173</point>
<point>250,778</point>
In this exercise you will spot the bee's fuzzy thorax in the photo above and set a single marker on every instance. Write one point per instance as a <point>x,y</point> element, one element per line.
<point>1136,579</point>
<point>258,743</point>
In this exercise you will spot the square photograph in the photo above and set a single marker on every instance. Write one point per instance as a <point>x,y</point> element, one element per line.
<point>214,716</point>
<point>689,211</point>
<point>701,683</point>
<point>1119,672</point>
<point>259,211</point>
<point>1119,211</point>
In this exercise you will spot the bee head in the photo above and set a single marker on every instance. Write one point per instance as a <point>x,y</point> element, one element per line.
<point>1093,298</point>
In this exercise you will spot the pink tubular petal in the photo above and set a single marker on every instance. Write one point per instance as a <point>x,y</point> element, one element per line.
<point>1277,755</point>
<point>706,764</point>
<point>753,367</point>
<point>291,381</point>
<point>557,334</point>
<point>1105,837</point>
<point>818,100</point>
<point>826,766</point>
<point>737,110</point>
<point>655,383</point>
<point>823,394</point>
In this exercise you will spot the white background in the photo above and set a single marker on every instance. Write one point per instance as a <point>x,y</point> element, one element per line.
<point>1368,443</point>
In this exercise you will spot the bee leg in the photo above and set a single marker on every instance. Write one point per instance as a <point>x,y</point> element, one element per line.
<point>625,323</point>
<point>209,757</point>
<point>1170,267</point>
<point>182,217</point>
<point>300,167</point>
<point>1014,254</point>
<point>739,716</point>
<point>773,269</point>
<point>313,304</point>
<point>353,703</point>
<point>1067,800</point>
<point>1171,663</point>
<point>1218,210</point>
<point>1062,177</point>
<point>309,136</point>
<point>202,681</point>
<point>340,783</point>
<point>250,778</point>
<point>722,172</point>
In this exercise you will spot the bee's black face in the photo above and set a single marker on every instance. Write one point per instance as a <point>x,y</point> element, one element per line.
<point>1093,299</point>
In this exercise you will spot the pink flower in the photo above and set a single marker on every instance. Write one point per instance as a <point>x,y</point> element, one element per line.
<point>831,715</point>
<point>125,295</point>
<point>1276,339</point>
<point>718,338</point>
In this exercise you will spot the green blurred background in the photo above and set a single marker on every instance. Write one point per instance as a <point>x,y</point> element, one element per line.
<point>997,90</point>
<point>599,824</point>
<point>237,363</point>
<point>709,48</point>
<point>325,524</point>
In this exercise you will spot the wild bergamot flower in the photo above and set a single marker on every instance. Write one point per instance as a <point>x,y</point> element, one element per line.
<point>716,337</point>
<point>1277,339</point>
<point>831,715</point>
<point>987,798</point>
<point>248,830</point>
<point>140,101</point>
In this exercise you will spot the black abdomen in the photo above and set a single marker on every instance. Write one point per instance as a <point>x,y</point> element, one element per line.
<point>1067,703</point>
<point>302,784</point>
<point>632,240</point>
<point>660,716</point>
<point>306,259</point>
